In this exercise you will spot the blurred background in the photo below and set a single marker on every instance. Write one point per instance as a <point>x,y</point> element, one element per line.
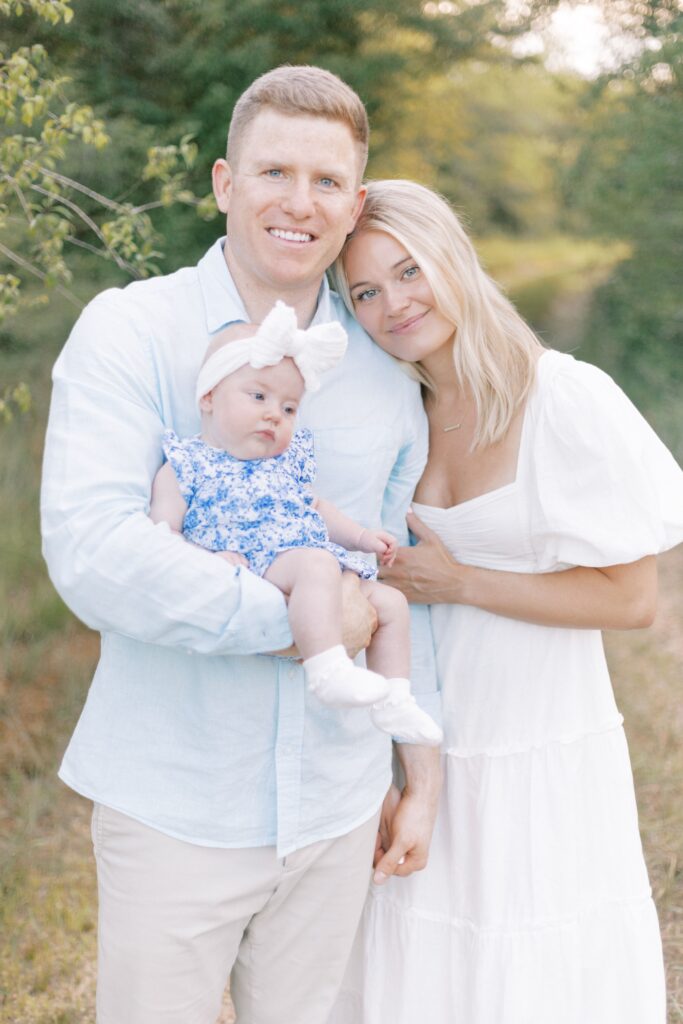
<point>555,128</point>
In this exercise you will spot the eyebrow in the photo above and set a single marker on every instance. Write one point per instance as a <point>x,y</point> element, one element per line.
<point>358,284</point>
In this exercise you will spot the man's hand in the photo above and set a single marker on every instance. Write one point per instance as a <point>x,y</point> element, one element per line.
<point>407,819</point>
<point>359,619</point>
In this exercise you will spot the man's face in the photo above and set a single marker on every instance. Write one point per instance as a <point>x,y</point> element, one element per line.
<point>292,196</point>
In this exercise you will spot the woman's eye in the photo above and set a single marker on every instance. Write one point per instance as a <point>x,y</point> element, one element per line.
<point>411,272</point>
<point>365,296</point>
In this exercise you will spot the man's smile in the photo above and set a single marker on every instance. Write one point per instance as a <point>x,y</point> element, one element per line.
<point>290,236</point>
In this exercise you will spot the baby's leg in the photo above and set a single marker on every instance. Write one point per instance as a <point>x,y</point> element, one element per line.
<point>311,579</point>
<point>389,654</point>
<point>389,650</point>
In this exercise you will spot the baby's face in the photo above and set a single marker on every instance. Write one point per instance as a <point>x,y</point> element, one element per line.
<point>251,413</point>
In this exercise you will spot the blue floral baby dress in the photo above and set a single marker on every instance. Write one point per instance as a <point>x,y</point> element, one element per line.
<point>257,507</point>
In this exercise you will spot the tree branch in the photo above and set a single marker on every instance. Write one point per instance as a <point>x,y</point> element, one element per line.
<point>25,265</point>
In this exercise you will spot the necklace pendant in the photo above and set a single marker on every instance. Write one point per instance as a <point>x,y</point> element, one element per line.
<point>455,426</point>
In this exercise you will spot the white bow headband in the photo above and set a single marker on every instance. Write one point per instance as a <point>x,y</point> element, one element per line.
<point>315,350</point>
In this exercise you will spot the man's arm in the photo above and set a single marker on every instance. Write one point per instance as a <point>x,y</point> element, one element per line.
<point>113,566</point>
<point>408,814</point>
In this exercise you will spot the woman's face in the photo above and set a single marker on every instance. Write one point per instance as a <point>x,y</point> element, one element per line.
<point>392,298</point>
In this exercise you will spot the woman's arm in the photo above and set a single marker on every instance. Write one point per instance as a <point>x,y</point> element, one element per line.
<point>614,597</point>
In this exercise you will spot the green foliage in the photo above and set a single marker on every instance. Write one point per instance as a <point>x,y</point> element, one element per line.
<point>17,398</point>
<point>155,71</point>
<point>627,182</point>
<point>44,212</point>
<point>490,136</point>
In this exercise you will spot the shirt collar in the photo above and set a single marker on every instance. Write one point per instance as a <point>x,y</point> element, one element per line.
<point>223,303</point>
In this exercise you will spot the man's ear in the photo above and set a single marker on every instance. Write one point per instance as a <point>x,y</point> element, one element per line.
<point>221,179</point>
<point>358,206</point>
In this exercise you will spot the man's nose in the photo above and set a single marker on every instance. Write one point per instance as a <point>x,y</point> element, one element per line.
<point>298,199</point>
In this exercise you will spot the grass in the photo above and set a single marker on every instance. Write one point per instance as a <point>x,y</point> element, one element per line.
<point>47,884</point>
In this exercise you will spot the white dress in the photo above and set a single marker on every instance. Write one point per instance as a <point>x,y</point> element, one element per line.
<point>535,907</point>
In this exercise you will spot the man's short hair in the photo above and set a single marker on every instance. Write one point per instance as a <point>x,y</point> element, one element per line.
<point>300,89</point>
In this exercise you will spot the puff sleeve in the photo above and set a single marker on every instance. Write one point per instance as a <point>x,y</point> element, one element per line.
<point>606,490</point>
<point>178,454</point>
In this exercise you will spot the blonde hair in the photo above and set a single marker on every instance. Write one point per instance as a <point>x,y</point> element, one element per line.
<point>494,349</point>
<point>300,89</point>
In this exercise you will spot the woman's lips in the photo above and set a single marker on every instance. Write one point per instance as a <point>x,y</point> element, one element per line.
<point>407,325</point>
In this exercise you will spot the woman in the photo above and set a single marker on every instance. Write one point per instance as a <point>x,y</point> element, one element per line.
<point>545,498</point>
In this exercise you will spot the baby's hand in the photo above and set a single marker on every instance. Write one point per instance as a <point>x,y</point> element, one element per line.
<point>380,543</point>
<point>233,557</point>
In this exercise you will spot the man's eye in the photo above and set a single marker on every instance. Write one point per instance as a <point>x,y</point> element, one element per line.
<point>328,182</point>
<point>273,172</point>
<point>365,296</point>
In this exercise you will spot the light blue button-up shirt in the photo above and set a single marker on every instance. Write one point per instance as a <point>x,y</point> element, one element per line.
<point>187,726</point>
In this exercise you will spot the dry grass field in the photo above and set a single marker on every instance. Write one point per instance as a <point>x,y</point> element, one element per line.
<point>47,915</point>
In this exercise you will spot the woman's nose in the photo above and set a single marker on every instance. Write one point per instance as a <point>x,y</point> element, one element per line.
<point>395,301</point>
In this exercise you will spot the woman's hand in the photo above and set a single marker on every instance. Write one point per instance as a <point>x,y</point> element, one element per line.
<point>609,597</point>
<point>426,573</point>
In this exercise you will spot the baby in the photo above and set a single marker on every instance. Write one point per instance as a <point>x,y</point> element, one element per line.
<point>242,489</point>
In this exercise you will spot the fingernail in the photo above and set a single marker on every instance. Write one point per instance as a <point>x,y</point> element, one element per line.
<point>402,860</point>
<point>379,877</point>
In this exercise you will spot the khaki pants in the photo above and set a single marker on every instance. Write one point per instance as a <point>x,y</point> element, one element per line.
<point>176,918</point>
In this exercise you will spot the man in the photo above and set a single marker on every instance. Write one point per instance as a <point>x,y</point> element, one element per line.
<point>235,817</point>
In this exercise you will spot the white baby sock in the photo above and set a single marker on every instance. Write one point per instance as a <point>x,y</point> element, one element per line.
<point>336,681</point>
<point>399,715</point>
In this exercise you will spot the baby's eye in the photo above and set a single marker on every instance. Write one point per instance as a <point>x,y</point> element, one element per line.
<point>290,410</point>
<point>365,296</point>
<point>257,396</point>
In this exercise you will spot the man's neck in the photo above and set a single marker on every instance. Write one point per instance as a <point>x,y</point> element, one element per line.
<point>259,297</point>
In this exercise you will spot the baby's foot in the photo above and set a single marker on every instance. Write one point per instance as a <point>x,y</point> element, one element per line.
<point>337,682</point>
<point>400,716</point>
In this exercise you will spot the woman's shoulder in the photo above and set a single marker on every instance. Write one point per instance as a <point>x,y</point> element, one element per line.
<point>557,372</point>
<point>578,398</point>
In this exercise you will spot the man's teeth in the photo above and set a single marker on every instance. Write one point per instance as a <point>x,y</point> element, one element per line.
<point>291,236</point>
